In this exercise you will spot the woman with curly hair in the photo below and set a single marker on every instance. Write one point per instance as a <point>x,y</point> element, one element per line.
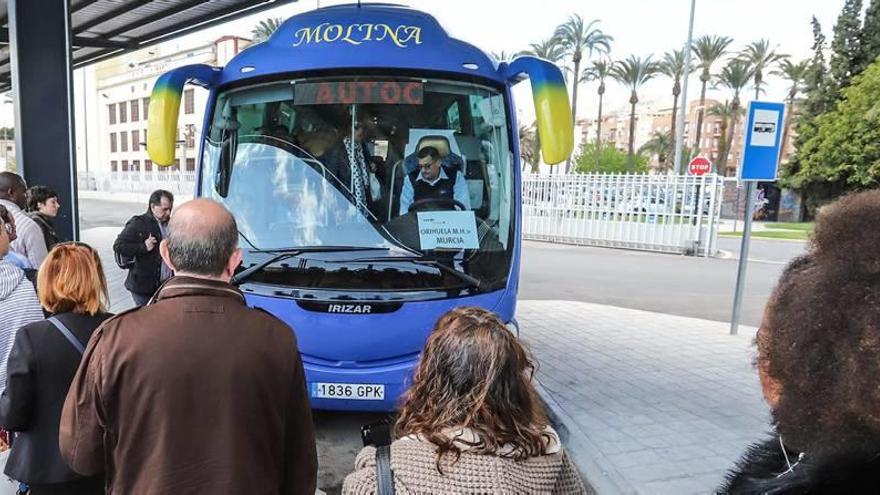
<point>472,421</point>
<point>819,363</point>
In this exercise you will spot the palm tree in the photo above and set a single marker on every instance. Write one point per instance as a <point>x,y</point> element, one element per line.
<point>576,37</point>
<point>795,73</point>
<point>760,56</point>
<point>598,71</point>
<point>530,146</point>
<point>672,66</point>
<point>708,50</point>
<point>264,29</point>
<point>503,56</point>
<point>735,76</point>
<point>634,72</point>
<point>725,112</point>
<point>549,49</point>
<point>662,145</point>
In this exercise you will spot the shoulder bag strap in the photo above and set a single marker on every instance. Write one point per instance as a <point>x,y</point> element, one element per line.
<point>67,334</point>
<point>384,474</point>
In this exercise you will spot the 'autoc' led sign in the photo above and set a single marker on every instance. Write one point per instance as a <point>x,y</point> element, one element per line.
<point>348,92</point>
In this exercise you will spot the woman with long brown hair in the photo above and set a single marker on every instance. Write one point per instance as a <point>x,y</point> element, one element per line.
<point>472,421</point>
<point>44,358</point>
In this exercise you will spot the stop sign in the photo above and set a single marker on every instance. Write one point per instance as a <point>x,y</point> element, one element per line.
<point>700,165</point>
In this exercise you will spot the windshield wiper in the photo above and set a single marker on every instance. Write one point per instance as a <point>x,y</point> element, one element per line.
<point>470,279</point>
<point>281,254</point>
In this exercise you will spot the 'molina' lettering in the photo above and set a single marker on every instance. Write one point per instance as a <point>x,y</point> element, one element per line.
<point>356,34</point>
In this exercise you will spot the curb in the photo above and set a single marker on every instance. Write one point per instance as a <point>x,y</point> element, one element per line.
<point>596,471</point>
<point>772,239</point>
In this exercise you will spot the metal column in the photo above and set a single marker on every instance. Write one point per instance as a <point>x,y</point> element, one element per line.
<point>42,84</point>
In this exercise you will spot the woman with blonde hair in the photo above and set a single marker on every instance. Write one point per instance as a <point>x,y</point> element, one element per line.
<point>43,361</point>
<point>472,421</point>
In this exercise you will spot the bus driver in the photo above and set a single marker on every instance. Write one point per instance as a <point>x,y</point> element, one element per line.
<point>433,181</point>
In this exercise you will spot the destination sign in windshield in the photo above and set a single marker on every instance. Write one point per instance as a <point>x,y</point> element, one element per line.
<point>349,92</point>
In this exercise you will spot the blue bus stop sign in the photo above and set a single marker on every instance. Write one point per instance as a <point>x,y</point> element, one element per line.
<point>763,143</point>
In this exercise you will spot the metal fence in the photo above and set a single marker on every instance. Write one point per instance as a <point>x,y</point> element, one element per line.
<point>176,181</point>
<point>677,214</point>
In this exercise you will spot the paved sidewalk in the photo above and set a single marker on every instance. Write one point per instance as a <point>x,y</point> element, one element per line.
<point>652,403</point>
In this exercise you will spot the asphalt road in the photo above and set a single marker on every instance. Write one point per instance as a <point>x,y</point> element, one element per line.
<point>680,285</point>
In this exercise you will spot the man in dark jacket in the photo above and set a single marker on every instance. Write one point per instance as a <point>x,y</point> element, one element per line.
<point>195,393</point>
<point>140,240</point>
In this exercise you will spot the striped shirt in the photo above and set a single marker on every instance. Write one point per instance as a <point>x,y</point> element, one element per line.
<point>18,307</point>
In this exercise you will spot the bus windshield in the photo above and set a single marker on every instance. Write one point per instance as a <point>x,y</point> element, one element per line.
<point>419,168</point>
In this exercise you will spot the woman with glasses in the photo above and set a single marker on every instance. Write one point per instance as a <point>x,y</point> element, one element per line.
<point>43,361</point>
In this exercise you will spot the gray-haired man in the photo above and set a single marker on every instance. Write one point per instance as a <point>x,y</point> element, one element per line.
<point>196,392</point>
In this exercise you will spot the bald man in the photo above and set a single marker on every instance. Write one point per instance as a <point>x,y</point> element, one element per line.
<point>30,242</point>
<point>195,392</point>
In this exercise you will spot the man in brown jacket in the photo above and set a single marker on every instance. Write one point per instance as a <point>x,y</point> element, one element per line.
<point>195,393</point>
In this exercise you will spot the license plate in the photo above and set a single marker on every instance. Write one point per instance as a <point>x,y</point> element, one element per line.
<point>349,391</point>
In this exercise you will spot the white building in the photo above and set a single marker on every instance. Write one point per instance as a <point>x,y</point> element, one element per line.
<point>113,102</point>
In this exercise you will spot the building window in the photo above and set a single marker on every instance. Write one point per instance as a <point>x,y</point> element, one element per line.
<point>135,165</point>
<point>190,164</point>
<point>148,165</point>
<point>146,104</point>
<point>189,101</point>
<point>125,165</point>
<point>112,142</point>
<point>134,110</point>
<point>176,165</point>
<point>123,113</point>
<point>123,141</point>
<point>135,140</point>
<point>111,111</point>
<point>190,135</point>
<point>114,166</point>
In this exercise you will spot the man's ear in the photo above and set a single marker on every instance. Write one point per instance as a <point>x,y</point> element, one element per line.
<point>166,256</point>
<point>232,264</point>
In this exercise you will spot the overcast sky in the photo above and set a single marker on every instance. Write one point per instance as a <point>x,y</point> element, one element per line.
<point>639,27</point>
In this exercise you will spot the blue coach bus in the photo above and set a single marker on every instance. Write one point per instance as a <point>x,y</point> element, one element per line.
<point>312,140</point>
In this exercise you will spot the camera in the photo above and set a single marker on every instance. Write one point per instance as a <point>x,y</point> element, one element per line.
<point>377,434</point>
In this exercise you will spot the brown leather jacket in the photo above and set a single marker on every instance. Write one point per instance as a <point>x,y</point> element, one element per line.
<point>196,393</point>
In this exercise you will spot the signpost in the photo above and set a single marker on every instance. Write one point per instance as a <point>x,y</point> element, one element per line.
<point>760,161</point>
<point>700,165</point>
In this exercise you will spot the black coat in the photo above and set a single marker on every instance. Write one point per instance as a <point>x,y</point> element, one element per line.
<point>146,274</point>
<point>48,227</point>
<point>758,472</point>
<point>41,367</point>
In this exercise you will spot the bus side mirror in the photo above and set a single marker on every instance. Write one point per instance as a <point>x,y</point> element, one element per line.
<point>552,109</point>
<point>165,108</point>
